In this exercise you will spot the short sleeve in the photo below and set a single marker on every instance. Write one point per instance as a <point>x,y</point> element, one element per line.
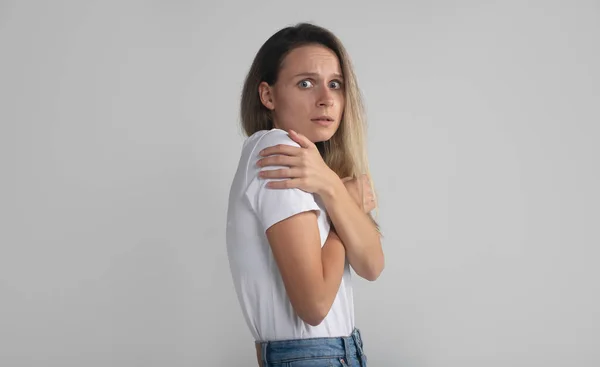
<point>274,205</point>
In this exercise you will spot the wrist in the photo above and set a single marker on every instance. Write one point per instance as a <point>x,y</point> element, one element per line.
<point>333,191</point>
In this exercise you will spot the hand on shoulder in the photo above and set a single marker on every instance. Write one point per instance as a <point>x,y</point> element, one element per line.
<point>304,167</point>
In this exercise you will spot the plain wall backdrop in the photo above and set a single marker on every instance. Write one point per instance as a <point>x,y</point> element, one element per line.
<point>119,135</point>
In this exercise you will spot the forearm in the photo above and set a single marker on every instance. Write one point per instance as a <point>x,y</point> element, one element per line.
<point>314,306</point>
<point>333,257</point>
<point>357,232</point>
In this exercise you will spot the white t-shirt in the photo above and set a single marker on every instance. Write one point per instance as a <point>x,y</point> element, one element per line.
<point>252,209</point>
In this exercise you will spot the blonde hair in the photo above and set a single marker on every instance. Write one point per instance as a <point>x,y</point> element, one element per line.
<point>346,152</point>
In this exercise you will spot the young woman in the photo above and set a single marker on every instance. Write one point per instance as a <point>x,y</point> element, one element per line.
<point>300,202</point>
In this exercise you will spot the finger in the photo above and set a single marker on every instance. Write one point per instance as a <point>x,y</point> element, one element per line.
<point>346,179</point>
<point>369,205</point>
<point>301,139</point>
<point>280,173</point>
<point>283,149</point>
<point>284,184</point>
<point>279,160</point>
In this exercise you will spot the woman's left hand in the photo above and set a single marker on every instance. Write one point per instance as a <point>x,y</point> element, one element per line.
<point>305,170</point>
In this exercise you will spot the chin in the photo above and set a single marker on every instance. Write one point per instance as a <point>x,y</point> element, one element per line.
<point>321,135</point>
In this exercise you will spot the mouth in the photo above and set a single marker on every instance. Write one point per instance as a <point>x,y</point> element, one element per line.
<point>323,120</point>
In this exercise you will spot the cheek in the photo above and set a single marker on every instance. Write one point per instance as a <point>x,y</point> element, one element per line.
<point>297,104</point>
<point>341,102</point>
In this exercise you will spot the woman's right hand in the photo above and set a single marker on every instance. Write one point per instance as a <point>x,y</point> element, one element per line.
<point>354,186</point>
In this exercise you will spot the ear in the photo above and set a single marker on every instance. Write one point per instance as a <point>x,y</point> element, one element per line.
<point>265,93</point>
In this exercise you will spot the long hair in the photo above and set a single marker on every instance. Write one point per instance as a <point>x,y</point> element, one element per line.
<point>345,153</point>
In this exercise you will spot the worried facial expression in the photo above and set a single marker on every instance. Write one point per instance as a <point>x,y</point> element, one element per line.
<point>308,96</point>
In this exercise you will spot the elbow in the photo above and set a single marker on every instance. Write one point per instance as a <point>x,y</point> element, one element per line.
<point>372,271</point>
<point>372,275</point>
<point>370,263</point>
<point>315,315</point>
<point>313,320</point>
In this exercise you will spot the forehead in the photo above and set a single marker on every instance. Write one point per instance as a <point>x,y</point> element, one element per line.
<point>310,59</point>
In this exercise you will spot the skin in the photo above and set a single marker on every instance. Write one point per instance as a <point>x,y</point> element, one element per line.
<point>307,171</point>
<point>310,85</point>
<point>358,185</point>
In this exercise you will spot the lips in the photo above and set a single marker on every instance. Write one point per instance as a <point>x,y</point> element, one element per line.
<point>325,121</point>
<point>323,118</point>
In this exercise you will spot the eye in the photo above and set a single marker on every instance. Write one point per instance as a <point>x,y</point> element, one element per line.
<point>335,84</point>
<point>305,84</point>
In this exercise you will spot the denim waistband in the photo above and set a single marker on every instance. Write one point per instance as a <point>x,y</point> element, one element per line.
<point>334,347</point>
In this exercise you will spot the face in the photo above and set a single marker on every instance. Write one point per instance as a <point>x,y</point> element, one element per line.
<point>308,96</point>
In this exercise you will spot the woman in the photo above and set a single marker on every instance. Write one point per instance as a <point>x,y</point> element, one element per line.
<point>298,215</point>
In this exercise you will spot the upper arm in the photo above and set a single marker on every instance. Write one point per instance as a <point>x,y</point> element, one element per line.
<point>274,205</point>
<point>296,247</point>
<point>288,218</point>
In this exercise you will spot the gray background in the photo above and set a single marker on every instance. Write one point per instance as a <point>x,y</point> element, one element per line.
<point>119,137</point>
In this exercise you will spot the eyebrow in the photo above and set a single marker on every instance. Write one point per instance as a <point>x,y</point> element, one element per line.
<point>316,75</point>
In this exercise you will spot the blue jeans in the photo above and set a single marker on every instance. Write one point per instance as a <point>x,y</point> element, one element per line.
<point>314,352</point>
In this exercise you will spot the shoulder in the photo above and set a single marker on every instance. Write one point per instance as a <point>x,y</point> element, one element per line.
<point>257,142</point>
<point>268,138</point>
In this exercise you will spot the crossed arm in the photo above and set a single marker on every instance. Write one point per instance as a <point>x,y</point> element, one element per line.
<point>357,231</point>
<point>312,274</point>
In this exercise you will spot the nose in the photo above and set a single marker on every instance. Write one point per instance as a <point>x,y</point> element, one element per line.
<point>325,98</point>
